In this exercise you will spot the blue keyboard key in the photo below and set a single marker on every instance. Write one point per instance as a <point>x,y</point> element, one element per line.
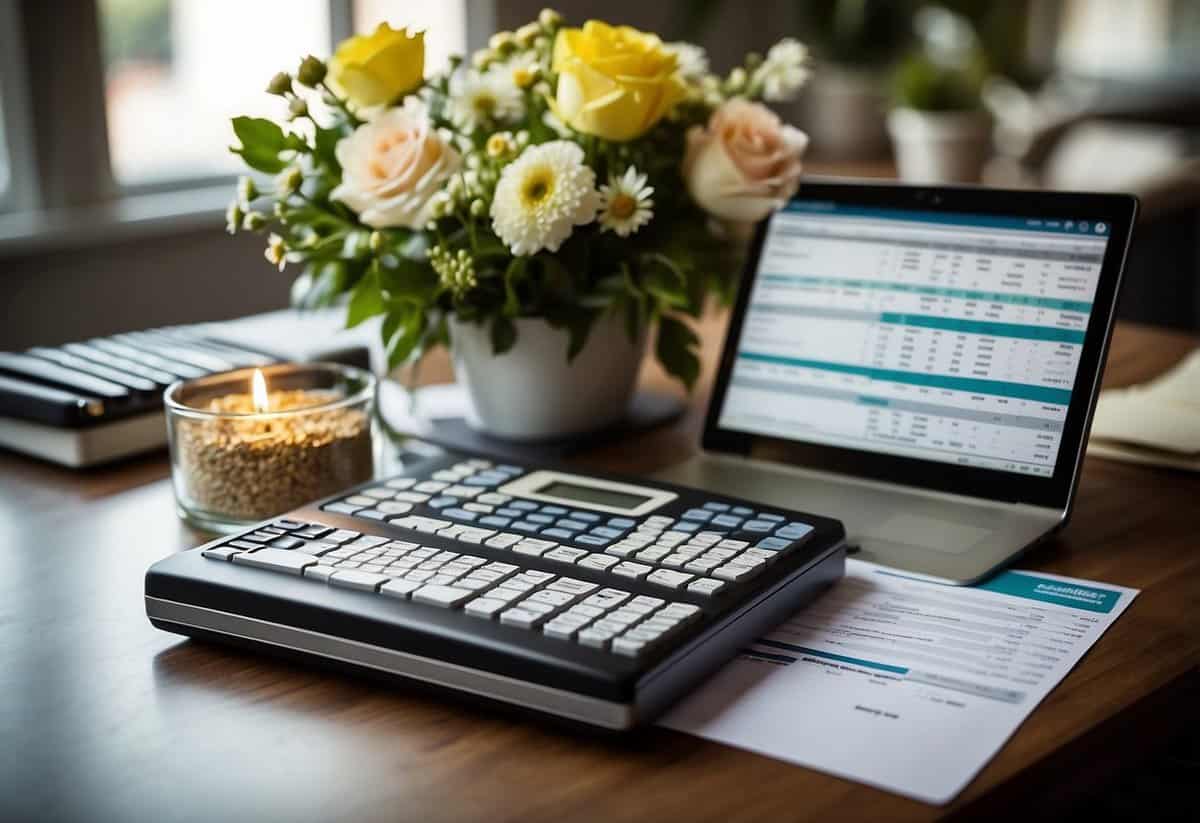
<point>557,534</point>
<point>727,521</point>
<point>773,544</point>
<point>494,521</point>
<point>526,526</point>
<point>687,527</point>
<point>527,505</point>
<point>776,518</point>
<point>509,511</point>
<point>741,511</point>
<point>459,514</point>
<point>443,502</point>
<point>758,525</point>
<point>586,517</point>
<point>555,510</point>
<point>605,531</point>
<point>621,522</point>
<point>544,519</point>
<point>482,480</point>
<point>508,468</point>
<point>573,525</point>
<point>717,507</point>
<point>794,531</point>
<point>697,514</point>
<point>591,540</point>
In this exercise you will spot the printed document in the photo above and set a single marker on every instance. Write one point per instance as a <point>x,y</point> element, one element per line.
<point>904,684</point>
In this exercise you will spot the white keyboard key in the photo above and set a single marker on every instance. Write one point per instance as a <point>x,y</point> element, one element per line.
<point>607,598</point>
<point>706,586</point>
<point>276,560</point>
<point>553,599</point>
<point>623,618</point>
<point>472,583</point>
<point>222,552</point>
<point>487,575</point>
<point>479,463</point>
<point>441,580</point>
<point>462,491</point>
<point>734,572</point>
<point>659,520</point>
<point>360,500</point>
<point>668,578</point>
<point>379,492</point>
<point>391,507</point>
<point>629,647</point>
<point>758,554</point>
<point>503,540</point>
<point>653,554</point>
<point>411,497</point>
<point>732,544</point>
<point>683,611</point>
<point>521,618</point>
<point>358,579</point>
<point>675,561</point>
<point>419,576</point>
<point>320,572</point>
<point>503,568</point>
<point>485,607</point>
<point>585,611</point>
<point>428,525</point>
<point>702,566</point>
<point>493,498</point>
<point>536,576</point>
<point>481,508</point>
<point>399,589</point>
<point>431,486</point>
<point>366,541</point>
<point>595,639</point>
<point>457,568</point>
<point>447,476</point>
<point>572,586</point>
<point>560,630</point>
<point>536,606</point>
<point>641,635</point>
<point>533,548</point>
<point>598,561</point>
<point>630,569</point>
<point>719,554</point>
<point>644,604</point>
<point>401,483</point>
<point>622,550</point>
<point>439,595</point>
<point>565,554</point>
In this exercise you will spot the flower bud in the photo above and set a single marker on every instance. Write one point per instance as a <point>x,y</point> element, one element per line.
<point>501,41</point>
<point>549,18</point>
<point>482,58</point>
<point>737,78</point>
<point>377,241</point>
<point>280,84</point>
<point>527,34</point>
<point>247,192</point>
<point>233,217</point>
<point>431,225</point>
<point>254,221</point>
<point>541,43</point>
<point>311,72</point>
<point>478,208</point>
<point>276,251</point>
<point>753,60</point>
<point>297,108</point>
<point>289,180</point>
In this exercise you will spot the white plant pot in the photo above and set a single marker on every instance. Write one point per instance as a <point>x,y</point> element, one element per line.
<point>531,393</point>
<point>844,113</point>
<point>940,147</point>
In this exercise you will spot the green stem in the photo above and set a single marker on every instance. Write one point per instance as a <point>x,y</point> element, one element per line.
<point>351,117</point>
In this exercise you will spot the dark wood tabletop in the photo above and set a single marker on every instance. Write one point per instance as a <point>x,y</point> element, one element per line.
<point>102,717</point>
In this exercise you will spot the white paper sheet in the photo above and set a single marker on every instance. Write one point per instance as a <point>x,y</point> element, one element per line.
<point>905,685</point>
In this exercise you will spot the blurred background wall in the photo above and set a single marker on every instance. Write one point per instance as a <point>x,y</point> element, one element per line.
<point>114,117</point>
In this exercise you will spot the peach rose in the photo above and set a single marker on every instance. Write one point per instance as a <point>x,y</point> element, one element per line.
<point>392,166</point>
<point>745,164</point>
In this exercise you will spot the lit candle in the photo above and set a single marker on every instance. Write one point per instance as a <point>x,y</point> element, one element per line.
<point>242,451</point>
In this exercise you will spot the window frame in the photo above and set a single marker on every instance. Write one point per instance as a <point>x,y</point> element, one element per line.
<point>21,192</point>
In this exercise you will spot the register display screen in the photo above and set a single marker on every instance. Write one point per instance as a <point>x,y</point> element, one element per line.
<point>945,337</point>
<point>591,494</point>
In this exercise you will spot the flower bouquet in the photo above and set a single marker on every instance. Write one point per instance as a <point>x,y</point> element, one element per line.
<point>539,209</point>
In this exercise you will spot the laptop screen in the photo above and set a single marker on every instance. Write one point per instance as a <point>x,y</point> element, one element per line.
<point>939,336</point>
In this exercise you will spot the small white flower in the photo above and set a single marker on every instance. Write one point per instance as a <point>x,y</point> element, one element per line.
<point>523,69</point>
<point>542,196</point>
<point>276,251</point>
<point>784,71</point>
<point>625,203</point>
<point>483,99</point>
<point>692,60</point>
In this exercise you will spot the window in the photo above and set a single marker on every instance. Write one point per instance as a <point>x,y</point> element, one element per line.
<point>176,71</point>
<point>444,23</point>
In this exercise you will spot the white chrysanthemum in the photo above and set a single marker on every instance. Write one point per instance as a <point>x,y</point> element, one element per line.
<point>625,204</point>
<point>542,196</point>
<point>483,99</point>
<point>784,71</point>
<point>692,60</point>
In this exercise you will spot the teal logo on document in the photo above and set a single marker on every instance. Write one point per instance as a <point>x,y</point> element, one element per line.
<point>1076,595</point>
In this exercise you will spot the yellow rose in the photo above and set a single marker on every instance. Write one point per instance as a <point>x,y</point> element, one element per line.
<point>614,81</point>
<point>379,68</point>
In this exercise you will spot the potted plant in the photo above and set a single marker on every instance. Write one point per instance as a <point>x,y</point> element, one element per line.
<point>541,209</point>
<point>939,128</point>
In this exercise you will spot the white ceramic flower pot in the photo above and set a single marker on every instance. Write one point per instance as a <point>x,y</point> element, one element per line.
<point>531,393</point>
<point>940,147</point>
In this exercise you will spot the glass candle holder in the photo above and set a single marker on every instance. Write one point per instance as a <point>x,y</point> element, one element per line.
<point>254,443</point>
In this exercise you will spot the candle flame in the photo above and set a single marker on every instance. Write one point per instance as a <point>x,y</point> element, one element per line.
<point>258,390</point>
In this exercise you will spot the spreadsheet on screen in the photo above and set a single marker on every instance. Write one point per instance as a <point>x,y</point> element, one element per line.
<point>941,336</point>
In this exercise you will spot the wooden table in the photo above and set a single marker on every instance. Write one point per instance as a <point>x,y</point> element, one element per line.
<point>104,718</point>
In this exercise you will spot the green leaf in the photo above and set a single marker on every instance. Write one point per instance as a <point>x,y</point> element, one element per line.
<point>512,275</point>
<point>366,300</point>
<point>320,285</point>
<point>576,320</point>
<point>262,140</point>
<point>409,280</point>
<point>326,147</point>
<point>410,321</point>
<point>676,350</point>
<point>504,334</point>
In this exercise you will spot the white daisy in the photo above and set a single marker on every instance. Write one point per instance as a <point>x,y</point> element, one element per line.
<point>784,71</point>
<point>692,60</point>
<point>523,69</point>
<point>542,195</point>
<point>483,99</point>
<point>625,204</point>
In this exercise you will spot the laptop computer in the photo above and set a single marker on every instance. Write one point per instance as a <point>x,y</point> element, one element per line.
<point>920,363</point>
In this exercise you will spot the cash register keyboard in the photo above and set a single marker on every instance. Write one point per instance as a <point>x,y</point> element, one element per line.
<point>621,572</point>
